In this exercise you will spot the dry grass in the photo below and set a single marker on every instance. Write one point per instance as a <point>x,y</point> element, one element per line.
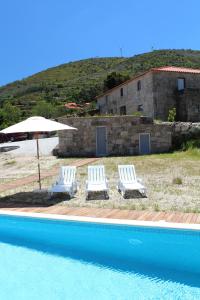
<point>159,174</point>
<point>15,167</point>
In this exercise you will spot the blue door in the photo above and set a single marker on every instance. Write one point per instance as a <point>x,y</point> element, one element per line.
<point>144,143</point>
<point>101,147</point>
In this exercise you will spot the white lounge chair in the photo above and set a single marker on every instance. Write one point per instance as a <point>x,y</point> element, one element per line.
<point>128,180</point>
<point>97,181</point>
<point>66,182</point>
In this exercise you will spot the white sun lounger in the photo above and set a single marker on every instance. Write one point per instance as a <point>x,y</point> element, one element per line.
<point>128,180</point>
<point>66,182</point>
<point>97,181</point>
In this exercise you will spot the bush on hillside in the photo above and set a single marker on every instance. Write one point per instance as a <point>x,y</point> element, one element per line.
<point>9,115</point>
<point>113,79</point>
<point>48,110</point>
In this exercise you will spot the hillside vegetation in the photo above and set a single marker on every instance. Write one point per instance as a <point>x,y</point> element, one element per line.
<point>81,81</point>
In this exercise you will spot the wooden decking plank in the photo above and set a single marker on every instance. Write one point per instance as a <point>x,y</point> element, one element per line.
<point>198,219</point>
<point>158,216</point>
<point>189,217</point>
<point>142,216</point>
<point>175,217</point>
<point>193,218</point>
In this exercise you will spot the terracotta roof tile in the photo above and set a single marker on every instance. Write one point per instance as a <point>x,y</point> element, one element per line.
<point>176,69</point>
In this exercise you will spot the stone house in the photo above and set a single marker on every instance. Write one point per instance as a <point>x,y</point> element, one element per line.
<point>154,93</point>
<point>113,135</point>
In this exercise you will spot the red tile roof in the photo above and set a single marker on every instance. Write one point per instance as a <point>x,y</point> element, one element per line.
<point>176,69</point>
<point>72,105</point>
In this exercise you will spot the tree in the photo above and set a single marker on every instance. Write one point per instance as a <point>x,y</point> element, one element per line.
<point>48,110</point>
<point>113,79</point>
<point>9,115</point>
<point>43,109</point>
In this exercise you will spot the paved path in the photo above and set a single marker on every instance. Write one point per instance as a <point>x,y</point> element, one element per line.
<point>175,217</point>
<point>45,174</point>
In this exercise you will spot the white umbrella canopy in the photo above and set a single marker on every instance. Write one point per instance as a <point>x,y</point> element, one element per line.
<point>37,124</point>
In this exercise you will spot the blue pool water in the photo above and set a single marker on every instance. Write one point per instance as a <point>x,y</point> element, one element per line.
<point>53,260</point>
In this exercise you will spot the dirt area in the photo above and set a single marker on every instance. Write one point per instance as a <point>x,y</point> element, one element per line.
<point>172,181</point>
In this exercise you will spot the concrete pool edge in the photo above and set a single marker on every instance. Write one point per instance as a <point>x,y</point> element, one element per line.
<point>156,224</point>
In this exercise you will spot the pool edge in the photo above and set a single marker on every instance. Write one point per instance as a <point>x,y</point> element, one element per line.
<point>157,224</point>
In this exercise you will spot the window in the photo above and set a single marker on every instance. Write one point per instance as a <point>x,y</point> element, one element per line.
<point>181,84</point>
<point>198,108</point>
<point>139,85</point>
<point>106,99</point>
<point>121,92</point>
<point>123,110</point>
<point>140,107</point>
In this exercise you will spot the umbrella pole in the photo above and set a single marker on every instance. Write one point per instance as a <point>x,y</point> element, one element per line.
<point>38,158</point>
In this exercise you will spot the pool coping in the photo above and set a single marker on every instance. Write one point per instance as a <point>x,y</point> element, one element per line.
<point>156,224</point>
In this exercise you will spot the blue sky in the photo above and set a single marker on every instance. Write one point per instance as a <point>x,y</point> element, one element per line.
<point>38,34</point>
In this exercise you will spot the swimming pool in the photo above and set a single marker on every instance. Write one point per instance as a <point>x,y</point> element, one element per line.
<point>51,259</point>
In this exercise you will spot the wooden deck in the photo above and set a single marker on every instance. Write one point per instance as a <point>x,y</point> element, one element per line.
<point>175,217</point>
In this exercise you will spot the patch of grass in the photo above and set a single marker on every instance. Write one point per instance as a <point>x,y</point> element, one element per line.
<point>132,207</point>
<point>156,207</point>
<point>143,206</point>
<point>196,210</point>
<point>10,162</point>
<point>177,180</point>
<point>173,208</point>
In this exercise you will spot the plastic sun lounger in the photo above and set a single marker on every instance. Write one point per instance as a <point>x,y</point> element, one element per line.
<point>97,181</point>
<point>128,180</point>
<point>66,182</point>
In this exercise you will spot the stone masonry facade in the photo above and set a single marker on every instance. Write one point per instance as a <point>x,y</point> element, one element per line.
<point>123,135</point>
<point>154,93</point>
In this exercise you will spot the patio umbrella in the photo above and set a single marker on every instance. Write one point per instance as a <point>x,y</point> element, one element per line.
<point>36,125</point>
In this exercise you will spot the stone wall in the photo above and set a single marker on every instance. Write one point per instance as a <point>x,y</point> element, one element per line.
<point>122,135</point>
<point>182,132</point>
<point>188,105</point>
<point>166,95</point>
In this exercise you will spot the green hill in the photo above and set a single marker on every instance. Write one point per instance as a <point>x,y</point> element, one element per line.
<point>81,81</point>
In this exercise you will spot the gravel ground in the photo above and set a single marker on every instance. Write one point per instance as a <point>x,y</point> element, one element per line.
<point>22,161</point>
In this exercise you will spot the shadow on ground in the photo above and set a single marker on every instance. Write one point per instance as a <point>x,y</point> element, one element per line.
<point>8,148</point>
<point>31,199</point>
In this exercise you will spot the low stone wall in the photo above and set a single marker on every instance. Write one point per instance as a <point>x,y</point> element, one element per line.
<point>183,131</point>
<point>122,135</point>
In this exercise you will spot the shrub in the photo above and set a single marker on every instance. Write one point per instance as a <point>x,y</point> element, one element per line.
<point>177,180</point>
<point>172,115</point>
<point>191,144</point>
